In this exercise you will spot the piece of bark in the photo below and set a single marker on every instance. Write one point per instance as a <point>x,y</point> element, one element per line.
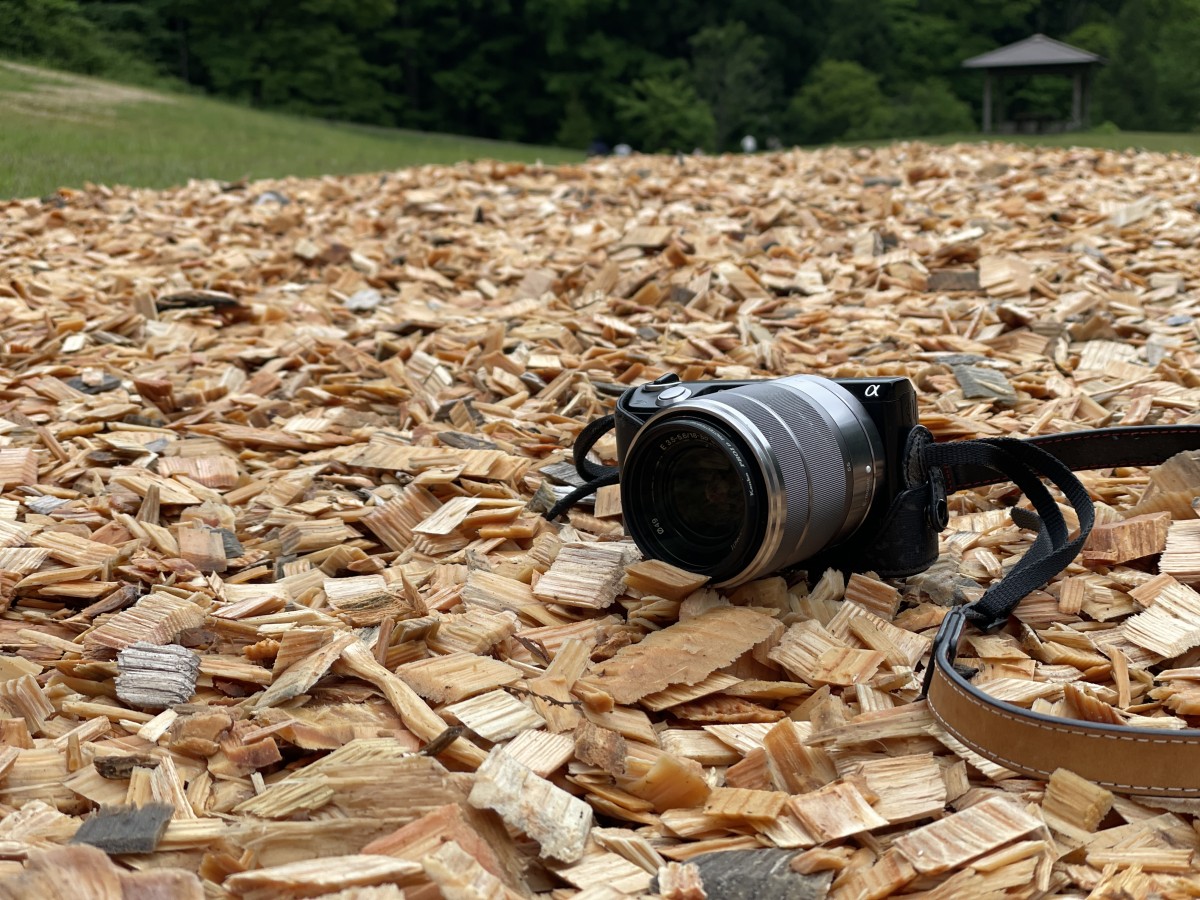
<point>600,747</point>
<point>154,676</point>
<point>982,383</point>
<point>547,814</point>
<point>953,280</point>
<point>126,829</point>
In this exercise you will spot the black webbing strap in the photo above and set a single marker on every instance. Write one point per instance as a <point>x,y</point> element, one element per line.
<point>596,475</point>
<point>990,461</point>
<point>1052,551</point>
<point>1100,448</point>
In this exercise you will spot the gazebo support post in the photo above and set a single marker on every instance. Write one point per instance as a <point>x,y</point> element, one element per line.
<point>1077,101</point>
<point>987,102</point>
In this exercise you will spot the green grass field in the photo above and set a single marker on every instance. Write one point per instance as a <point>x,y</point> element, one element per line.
<point>59,130</point>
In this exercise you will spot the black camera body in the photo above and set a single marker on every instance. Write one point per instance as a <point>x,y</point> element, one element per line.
<point>820,472</point>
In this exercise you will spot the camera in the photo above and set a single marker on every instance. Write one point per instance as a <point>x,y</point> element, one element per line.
<point>737,480</point>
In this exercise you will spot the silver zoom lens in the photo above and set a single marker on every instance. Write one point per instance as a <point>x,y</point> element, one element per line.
<point>751,480</point>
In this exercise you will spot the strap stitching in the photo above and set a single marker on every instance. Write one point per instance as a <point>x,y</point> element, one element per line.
<point>1024,768</point>
<point>992,710</point>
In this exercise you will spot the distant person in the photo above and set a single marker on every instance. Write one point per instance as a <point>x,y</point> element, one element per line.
<point>749,144</point>
<point>598,148</point>
<point>623,150</point>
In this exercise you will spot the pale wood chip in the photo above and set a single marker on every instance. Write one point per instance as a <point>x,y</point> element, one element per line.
<point>965,835</point>
<point>684,653</point>
<point>549,815</point>
<point>835,811</point>
<point>586,575</point>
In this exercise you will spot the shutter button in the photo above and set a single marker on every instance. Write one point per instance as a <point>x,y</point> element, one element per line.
<point>672,394</point>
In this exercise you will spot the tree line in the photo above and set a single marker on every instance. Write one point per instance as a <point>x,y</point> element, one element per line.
<point>658,75</point>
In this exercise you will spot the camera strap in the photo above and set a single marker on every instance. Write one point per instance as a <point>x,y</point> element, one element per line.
<point>595,475</point>
<point>1122,758</point>
<point>1126,759</point>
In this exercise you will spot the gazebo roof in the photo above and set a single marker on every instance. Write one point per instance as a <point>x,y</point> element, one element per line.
<point>1038,50</point>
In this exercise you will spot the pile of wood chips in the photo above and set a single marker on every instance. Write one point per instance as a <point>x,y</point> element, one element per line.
<point>281,617</point>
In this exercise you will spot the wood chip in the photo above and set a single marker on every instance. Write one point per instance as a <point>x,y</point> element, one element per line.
<point>835,811</point>
<point>966,835</point>
<point>314,876</point>
<point>547,814</point>
<point>684,653</point>
<point>586,575</point>
<point>155,677</point>
<point>157,618</point>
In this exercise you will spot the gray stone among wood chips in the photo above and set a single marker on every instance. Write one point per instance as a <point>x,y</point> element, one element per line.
<point>980,383</point>
<point>756,875</point>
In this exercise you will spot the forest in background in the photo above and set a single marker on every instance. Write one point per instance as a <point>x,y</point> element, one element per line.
<point>658,75</point>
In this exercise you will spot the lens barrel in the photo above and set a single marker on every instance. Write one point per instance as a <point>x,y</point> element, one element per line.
<point>747,481</point>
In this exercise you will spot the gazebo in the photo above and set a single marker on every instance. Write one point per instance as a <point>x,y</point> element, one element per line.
<point>1039,55</point>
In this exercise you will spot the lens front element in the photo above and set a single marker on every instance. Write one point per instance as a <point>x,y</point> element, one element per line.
<point>699,491</point>
<point>751,480</point>
<point>704,494</point>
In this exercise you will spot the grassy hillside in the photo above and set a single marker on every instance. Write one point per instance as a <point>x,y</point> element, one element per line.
<point>59,130</point>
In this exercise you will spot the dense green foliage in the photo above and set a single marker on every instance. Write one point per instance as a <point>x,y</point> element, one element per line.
<point>657,75</point>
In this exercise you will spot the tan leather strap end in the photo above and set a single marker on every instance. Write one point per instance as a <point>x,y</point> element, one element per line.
<point>1127,760</point>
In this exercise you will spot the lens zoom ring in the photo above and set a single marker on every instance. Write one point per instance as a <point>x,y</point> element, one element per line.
<point>810,460</point>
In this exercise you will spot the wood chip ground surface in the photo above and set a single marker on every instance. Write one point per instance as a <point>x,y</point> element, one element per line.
<point>300,432</point>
